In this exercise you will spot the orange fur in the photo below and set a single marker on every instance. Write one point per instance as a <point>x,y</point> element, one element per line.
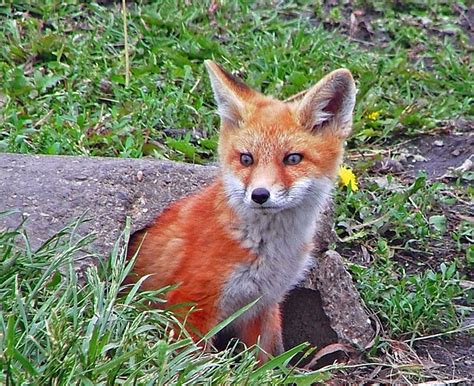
<point>172,243</point>
<point>202,241</point>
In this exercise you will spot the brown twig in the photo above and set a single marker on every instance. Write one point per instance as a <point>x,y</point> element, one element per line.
<point>43,119</point>
<point>295,97</point>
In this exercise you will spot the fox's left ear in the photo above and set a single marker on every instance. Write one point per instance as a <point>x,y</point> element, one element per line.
<point>329,104</point>
<point>230,92</point>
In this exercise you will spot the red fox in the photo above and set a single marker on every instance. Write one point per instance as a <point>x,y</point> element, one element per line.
<point>249,234</point>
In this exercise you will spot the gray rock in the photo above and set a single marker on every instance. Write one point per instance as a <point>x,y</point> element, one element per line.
<point>52,191</point>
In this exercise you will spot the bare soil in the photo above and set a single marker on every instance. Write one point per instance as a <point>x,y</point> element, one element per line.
<point>440,154</point>
<point>449,358</point>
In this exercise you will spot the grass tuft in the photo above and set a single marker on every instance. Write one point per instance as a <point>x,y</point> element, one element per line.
<point>54,330</point>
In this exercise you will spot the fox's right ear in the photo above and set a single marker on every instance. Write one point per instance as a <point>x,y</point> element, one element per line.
<point>329,104</point>
<point>230,93</point>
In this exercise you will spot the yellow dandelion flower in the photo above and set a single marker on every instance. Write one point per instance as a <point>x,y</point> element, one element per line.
<point>348,178</point>
<point>373,116</point>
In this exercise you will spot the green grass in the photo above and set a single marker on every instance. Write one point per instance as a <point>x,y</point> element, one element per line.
<point>53,330</point>
<point>62,75</point>
<point>63,91</point>
<point>404,231</point>
<point>411,305</point>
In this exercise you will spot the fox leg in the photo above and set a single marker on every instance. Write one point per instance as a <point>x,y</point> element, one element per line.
<point>271,339</point>
<point>197,321</point>
<point>267,326</point>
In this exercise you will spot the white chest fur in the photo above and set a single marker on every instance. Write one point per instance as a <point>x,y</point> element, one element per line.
<point>280,242</point>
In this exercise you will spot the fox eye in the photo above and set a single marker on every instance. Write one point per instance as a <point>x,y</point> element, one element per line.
<point>292,159</point>
<point>246,159</point>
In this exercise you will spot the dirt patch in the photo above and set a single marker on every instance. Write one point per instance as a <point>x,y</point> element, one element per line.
<point>449,358</point>
<point>438,155</point>
<point>366,25</point>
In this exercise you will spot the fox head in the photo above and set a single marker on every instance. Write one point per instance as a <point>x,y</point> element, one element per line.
<point>276,155</point>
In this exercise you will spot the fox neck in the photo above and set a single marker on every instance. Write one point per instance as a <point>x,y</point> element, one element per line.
<point>288,232</point>
<point>281,245</point>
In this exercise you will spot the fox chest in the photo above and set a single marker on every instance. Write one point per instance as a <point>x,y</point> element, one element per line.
<point>282,246</point>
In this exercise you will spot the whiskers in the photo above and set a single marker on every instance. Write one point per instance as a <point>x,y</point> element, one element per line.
<point>310,191</point>
<point>306,193</point>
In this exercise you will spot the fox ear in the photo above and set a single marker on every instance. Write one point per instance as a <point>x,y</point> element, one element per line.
<point>230,93</point>
<point>329,104</point>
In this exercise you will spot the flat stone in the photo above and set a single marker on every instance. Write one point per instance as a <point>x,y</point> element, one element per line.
<point>106,190</point>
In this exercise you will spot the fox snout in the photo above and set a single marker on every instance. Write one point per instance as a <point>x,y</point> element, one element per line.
<point>260,195</point>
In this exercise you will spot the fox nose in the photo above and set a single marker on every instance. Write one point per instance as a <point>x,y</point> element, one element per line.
<point>260,195</point>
